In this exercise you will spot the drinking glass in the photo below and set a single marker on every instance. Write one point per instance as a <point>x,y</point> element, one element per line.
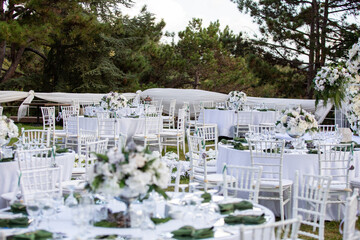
<point>33,209</point>
<point>71,200</point>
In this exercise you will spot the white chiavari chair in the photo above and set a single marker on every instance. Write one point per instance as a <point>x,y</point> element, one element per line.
<point>175,137</point>
<point>328,128</point>
<point>169,121</point>
<point>247,181</point>
<point>199,172</point>
<point>40,181</point>
<point>35,158</point>
<point>349,231</point>
<point>108,128</point>
<point>175,170</point>
<point>283,230</point>
<point>66,112</point>
<point>210,134</point>
<point>35,138</point>
<point>269,155</point>
<point>310,196</point>
<point>48,117</point>
<point>243,122</point>
<point>150,134</point>
<point>335,160</point>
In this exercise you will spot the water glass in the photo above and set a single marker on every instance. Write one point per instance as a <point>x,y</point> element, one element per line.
<point>33,209</point>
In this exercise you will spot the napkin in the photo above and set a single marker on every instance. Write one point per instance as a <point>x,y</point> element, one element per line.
<point>206,196</point>
<point>7,159</point>
<point>242,140</point>
<point>62,150</point>
<point>224,141</point>
<point>239,146</point>
<point>160,220</point>
<point>247,220</point>
<point>114,236</point>
<point>189,232</point>
<point>106,224</point>
<point>37,235</point>
<point>209,107</point>
<point>21,222</point>
<point>313,151</point>
<point>18,208</point>
<point>227,208</point>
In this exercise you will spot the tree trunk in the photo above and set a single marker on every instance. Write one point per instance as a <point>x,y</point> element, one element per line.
<point>2,53</point>
<point>323,33</point>
<point>197,80</point>
<point>11,71</point>
<point>310,73</point>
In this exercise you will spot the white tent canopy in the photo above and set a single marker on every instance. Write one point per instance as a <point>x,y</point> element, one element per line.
<point>166,94</point>
<point>195,96</point>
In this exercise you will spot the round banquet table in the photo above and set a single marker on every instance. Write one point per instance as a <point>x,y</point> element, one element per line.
<point>226,119</point>
<point>9,173</point>
<point>64,223</point>
<point>128,126</point>
<point>304,163</point>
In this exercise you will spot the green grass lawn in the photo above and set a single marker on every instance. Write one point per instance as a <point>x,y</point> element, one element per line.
<point>331,227</point>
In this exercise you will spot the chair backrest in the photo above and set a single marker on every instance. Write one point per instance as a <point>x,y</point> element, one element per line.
<point>334,160</point>
<point>172,107</point>
<point>108,127</point>
<point>48,116</point>
<point>328,128</point>
<point>269,155</point>
<point>121,143</point>
<point>210,135</point>
<point>313,191</point>
<point>197,109</point>
<point>35,158</point>
<point>284,230</point>
<point>67,111</point>
<point>207,104</point>
<point>1,110</point>
<point>35,137</point>
<point>152,125</point>
<point>243,121</point>
<point>40,181</point>
<point>175,170</point>
<point>181,121</point>
<point>73,127</point>
<point>248,181</point>
<point>151,110</point>
<point>98,147</point>
<point>350,218</point>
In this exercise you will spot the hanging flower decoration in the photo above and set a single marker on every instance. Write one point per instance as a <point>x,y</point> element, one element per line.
<point>236,98</point>
<point>113,101</point>
<point>330,84</point>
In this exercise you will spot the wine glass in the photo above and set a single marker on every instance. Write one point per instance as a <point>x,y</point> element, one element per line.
<point>47,210</point>
<point>33,209</point>
<point>71,200</point>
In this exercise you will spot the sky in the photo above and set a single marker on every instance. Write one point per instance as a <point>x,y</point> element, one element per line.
<point>178,13</point>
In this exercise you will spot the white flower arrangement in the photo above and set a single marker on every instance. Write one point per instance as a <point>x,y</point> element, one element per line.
<point>130,173</point>
<point>7,128</point>
<point>297,122</point>
<point>237,98</point>
<point>353,62</point>
<point>330,83</point>
<point>113,101</point>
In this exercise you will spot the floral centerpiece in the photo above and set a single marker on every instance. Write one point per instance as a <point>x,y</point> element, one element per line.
<point>236,98</point>
<point>113,101</point>
<point>128,173</point>
<point>8,130</point>
<point>353,63</point>
<point>297,122</point>
<point>330,83</point>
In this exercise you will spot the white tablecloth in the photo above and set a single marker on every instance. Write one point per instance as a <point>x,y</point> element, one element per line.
<point>226,119</point>
<point>9,173</point>
<point>127,126</point>
<point>304,163</point>
<point>64,223</point>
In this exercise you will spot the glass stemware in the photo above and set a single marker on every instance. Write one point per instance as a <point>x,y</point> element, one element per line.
<point>71,200</point>
<point>33,209</point>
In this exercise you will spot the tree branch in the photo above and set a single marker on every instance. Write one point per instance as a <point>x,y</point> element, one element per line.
<point>36,52</point>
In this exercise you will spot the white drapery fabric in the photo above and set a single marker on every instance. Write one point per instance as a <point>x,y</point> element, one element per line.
<point>195,96</point>
<point>166,94</point>
<point>59,97</point>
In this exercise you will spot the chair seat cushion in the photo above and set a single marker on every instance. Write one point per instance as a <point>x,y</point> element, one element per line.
<point>149,136</point>
<point>274,183</point>
<point>337,186</point>
<point>210,169</point>
<point>215,178</point>
<point>79,170</point>
<point>355,182</point>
